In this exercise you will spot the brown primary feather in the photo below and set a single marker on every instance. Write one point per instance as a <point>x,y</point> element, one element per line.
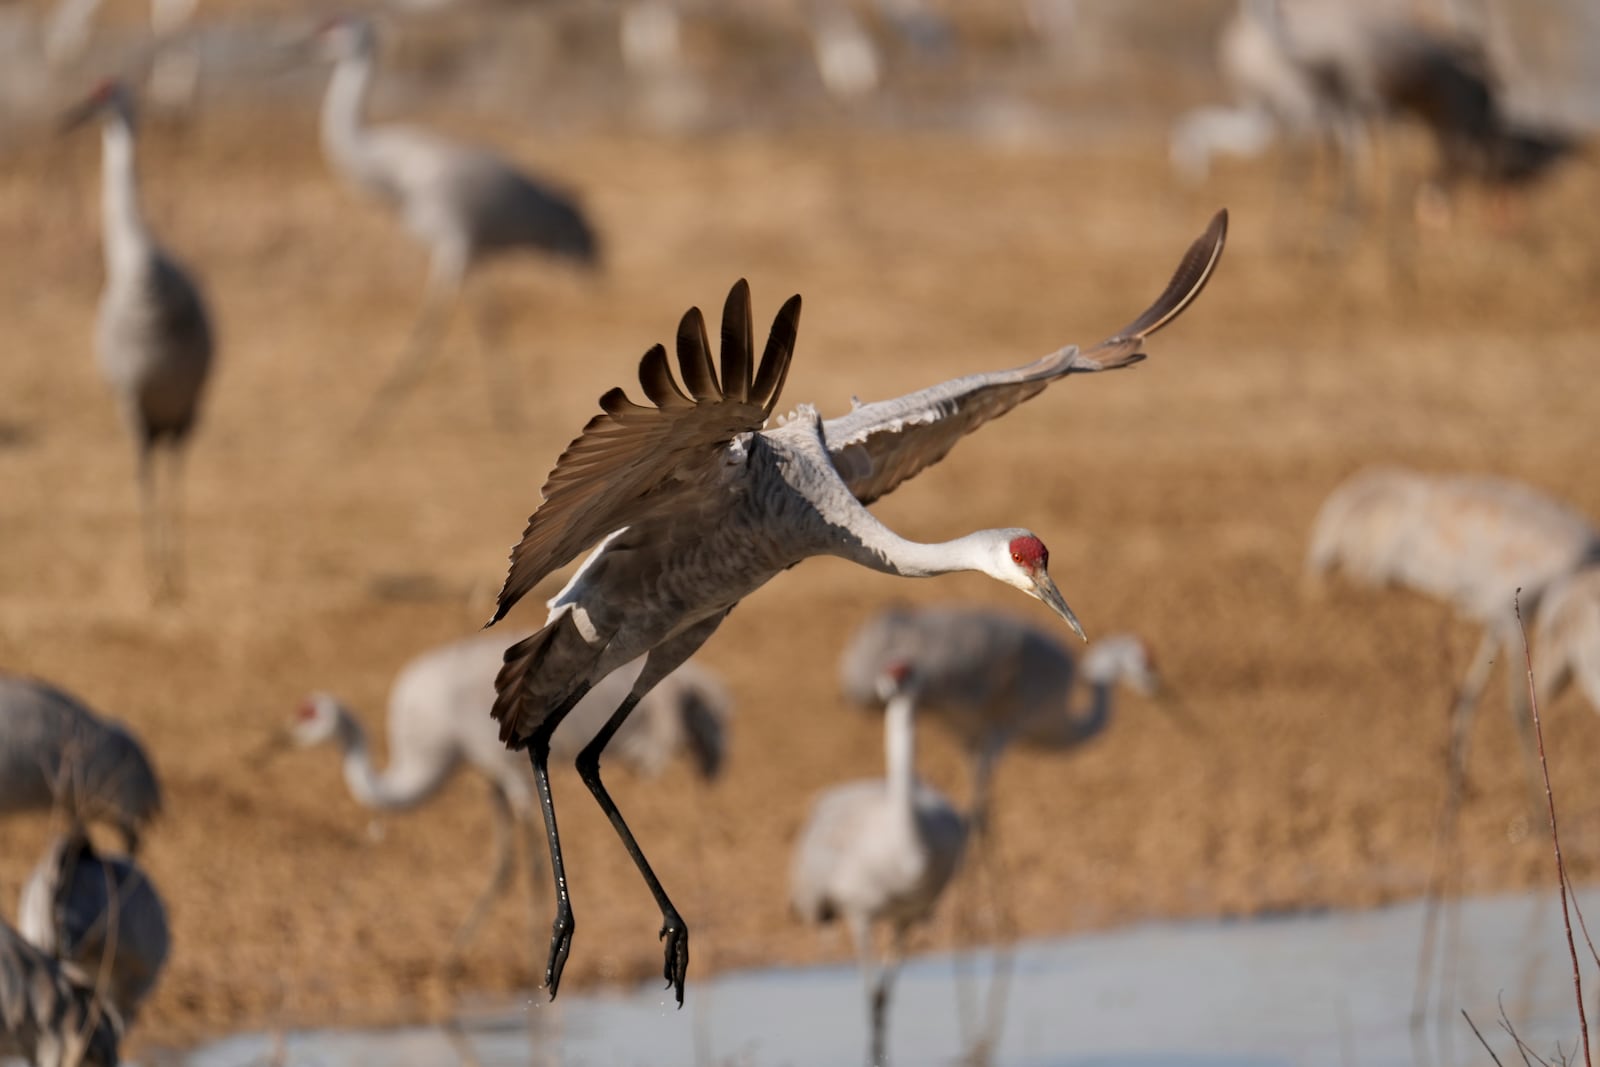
<point>1188,281</point>
<point>631,461</point>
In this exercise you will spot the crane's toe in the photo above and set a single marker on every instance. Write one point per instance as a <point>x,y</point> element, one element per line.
<point>560,947</point>
<point>676,934</point>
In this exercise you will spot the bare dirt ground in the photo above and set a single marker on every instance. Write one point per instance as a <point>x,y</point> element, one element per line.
<point>1175,497</point>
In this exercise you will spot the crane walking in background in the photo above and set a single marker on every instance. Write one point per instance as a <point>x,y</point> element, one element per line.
<point>439,720</point>
<point>56,754</point>
<point>994,680</point>
<point>879,850</point>
<point>153,334</point>
<point>463,203</point>
<point>694,506</point>
<point>101,917</point>
<point>47,1018</point>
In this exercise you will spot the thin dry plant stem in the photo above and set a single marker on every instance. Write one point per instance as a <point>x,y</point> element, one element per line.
<point>1582,925</point>
<point>1479,1035</point>
<point>1555,836</point>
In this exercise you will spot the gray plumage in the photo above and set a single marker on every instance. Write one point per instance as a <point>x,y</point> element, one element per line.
<point>1566,643</point>
<point>694,506</point>
<point>1362,66</point>
<point>153,334</point>
<point>1469,540</point>
<point>882,850</point>
<point>438,722</point>
<point>992,679</point>
<point>464,203</point>
<point>45,1017</point>
<point>101,916</point>
<point>55,753</point>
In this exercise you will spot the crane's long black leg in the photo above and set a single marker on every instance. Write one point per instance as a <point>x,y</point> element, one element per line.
<point>673,929</point>
<point>561,929</point>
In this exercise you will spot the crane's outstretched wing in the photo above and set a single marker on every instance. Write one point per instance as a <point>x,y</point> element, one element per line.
<point>878,446</point>
<point>633,460</point>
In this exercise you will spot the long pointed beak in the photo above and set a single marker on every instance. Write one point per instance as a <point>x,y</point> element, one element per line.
<point>1045,588</point>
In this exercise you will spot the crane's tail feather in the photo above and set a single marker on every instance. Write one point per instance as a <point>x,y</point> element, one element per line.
<point>525,695</point>
<point>1199,263</point>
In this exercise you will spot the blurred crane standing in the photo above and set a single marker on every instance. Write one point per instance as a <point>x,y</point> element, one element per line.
<point>464,203</point>
<point>101,917</point>
<point>879,850</point>
<point>57,754</point>
<point>153,335</point>
<point>47,1018</point>
<point>694,506</point>
<point>993,680</point>
<point>439,719</point>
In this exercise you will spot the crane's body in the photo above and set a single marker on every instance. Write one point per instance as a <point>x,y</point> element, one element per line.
<point>879,851</point>
<point>1566,641</point>
<point>1469,540</point>
<point>153,335</point>
<point>438,722</point>
<point>55,753</point>
<point>694,505</point>
<point>101,916</point>
<point>47,1018</point>
<point>463,203</point>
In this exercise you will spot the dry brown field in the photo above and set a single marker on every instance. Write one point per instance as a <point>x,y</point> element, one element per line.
<point>1176,498</point>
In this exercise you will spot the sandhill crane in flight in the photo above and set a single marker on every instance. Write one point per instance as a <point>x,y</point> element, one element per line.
<point>879,850</point>
<point>101,917</point>
<point>1469,540</point>
<point>47,1018</point>
<point>992,680</point>
<point>153,335</point>
<point>464,203</point>
<point>694,506</point>
<point>439,720</point>
<point>55,753</point>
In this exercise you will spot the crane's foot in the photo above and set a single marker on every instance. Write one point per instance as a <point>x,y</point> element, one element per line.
<point>675,932</point>
<point>560,946</point>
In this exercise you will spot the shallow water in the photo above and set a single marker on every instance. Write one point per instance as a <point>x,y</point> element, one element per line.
<point>1299,991</point>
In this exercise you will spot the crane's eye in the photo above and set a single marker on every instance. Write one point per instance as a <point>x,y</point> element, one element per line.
<point>1016,557</point>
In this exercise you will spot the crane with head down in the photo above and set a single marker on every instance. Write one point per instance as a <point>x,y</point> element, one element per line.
<point>694,505</point>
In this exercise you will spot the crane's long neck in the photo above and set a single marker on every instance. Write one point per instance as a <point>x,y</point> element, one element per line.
<point>343,127</point>
<point>126,238</point>
<point>387,790</point>
<point>900,750</point>
<point>1074,728</point>
<point>876,546</point>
